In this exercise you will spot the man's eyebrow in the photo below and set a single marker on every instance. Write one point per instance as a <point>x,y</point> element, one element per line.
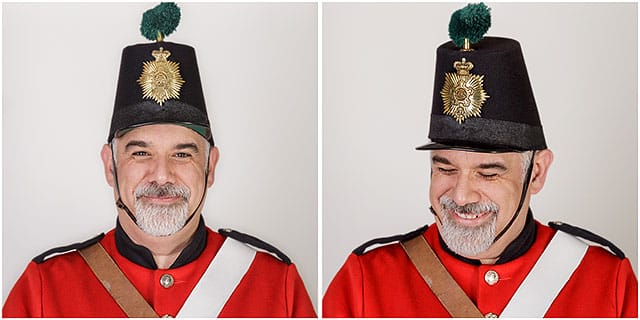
<point>490,165</point>
<point>439,159</point>
<point>493,165</point>
<point>136,143</point>
<point>188,145</point>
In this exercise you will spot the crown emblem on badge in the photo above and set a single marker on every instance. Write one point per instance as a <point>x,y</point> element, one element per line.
<point>160,79</point>
<point>462,93</point>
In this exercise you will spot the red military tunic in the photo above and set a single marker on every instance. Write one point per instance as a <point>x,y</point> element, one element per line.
<point>384,283</point>
<point>64,286</point>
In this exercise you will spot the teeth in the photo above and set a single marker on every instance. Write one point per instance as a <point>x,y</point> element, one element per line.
<point>467,215</point>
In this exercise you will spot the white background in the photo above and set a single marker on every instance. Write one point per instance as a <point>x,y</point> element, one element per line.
<point>378,71</point>
<point>258,64</point>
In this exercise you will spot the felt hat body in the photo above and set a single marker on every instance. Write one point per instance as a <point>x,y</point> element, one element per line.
<point>494,110</point>
<point>159,83</point>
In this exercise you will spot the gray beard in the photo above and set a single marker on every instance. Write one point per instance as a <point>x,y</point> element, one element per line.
<point>467,241</point>
<point>161,220</point>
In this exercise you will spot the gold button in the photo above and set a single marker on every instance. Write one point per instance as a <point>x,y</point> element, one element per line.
<point>166,280</point>
<point>491,277</point>
<point>490,315</point>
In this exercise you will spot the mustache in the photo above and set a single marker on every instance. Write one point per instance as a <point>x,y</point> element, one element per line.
<point>153,189</point>
<point>447,203</point>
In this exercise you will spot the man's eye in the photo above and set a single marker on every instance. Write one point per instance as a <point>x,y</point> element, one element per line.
<point>447,170</point>
<point>183,155</point>
<point>140,154</point>
<point>488,175</point>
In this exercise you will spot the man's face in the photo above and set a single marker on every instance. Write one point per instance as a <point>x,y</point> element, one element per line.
<point>161,173</point>
<point>475,195</point>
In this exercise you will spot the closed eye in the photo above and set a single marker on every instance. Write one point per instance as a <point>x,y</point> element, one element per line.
<point>488,175</point>
<point>447,171</point>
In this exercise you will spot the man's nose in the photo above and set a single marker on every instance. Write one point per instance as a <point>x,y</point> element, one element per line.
<point>162,171</point>
<point>464,191</point>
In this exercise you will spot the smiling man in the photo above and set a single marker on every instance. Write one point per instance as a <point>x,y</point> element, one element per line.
<point>486,255</point>
<point>161,259</point>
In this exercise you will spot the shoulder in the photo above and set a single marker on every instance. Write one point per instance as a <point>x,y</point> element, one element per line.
<point>588,237</point>
<point>255,244</point>
<point>66,249</point>
<point>385,241</point>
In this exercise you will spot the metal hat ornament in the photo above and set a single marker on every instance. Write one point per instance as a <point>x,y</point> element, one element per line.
<point>159,82</point>
<point>482,99</point>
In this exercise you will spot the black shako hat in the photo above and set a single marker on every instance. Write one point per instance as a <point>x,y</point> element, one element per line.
<point>159,83</point>
<point>482,98</point>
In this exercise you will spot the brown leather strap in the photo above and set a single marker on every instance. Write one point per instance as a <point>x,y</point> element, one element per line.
<point>439,280</point>
<point>118,286</point>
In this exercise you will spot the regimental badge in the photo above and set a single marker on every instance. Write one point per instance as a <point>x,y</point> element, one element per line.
<point>463,94</point>
<point>160,80</point>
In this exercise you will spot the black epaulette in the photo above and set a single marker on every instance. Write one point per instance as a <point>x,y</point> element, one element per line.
<point>362,249</point>
<point>587,235</point>
<point>76,246</point>
<point>255,242</point>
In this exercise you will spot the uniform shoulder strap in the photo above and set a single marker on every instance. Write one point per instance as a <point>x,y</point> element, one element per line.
<point>207,299</point>
<point>59,250</point>
<point>385,240</point>
<point>586,235</point>
<point>254,242</point>
<point>436,276</point>
<point>116,283</point>
<point>554,268</point>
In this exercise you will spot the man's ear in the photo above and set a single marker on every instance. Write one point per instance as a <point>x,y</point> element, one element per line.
<point>107,162</point>
<point>214,156</point>
<point>541,164</point>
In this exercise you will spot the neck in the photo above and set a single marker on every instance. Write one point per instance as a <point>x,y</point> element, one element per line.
<point>488,261</point>
<point>165,250</point>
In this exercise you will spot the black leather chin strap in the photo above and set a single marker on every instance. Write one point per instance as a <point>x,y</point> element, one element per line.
<point>119,202</point>
<point>525,188</point>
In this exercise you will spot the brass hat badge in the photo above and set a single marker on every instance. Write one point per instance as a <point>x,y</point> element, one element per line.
<point>462,93</point>
<point>160,79</point>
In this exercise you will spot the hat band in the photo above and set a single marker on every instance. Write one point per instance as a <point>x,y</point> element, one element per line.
<point>148,112</point>
<point>486,132</point>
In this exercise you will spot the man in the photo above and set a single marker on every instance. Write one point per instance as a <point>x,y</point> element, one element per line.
<point>161,259</point>
<point>486,255</point>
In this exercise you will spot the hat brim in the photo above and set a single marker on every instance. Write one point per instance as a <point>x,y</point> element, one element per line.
<point>477,148</point>
<point>204,131</point>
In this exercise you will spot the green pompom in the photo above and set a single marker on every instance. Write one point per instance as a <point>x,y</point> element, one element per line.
<point>160,21</point>
<point>470,22</point>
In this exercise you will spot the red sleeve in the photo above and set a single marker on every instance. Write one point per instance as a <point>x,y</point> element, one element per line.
<point>298,302</point>
<point>25,299</point>
<point>344,297</point>
<point>627,291</point>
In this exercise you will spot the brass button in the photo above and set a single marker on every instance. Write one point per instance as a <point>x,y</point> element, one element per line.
<point>490,315</point>
<point>491,277</point>
<point>166,281</point>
